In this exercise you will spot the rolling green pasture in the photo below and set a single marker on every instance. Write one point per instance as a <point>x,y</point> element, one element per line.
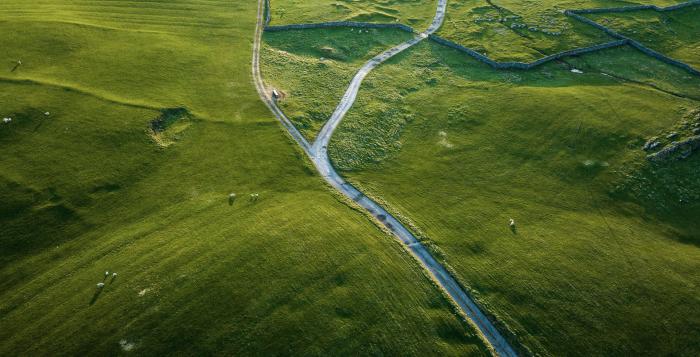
<point>96,186</point>
<point>312,68</point>
<point>604,259</point>
<point>674,33</point>
<point>517,30</point>
<point>415,13</point>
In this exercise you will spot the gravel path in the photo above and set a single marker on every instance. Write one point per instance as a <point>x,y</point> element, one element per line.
<point>319,155</point>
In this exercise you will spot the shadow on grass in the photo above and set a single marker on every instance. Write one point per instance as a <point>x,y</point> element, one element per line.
<point>97,294</point>
<point>41,122</point>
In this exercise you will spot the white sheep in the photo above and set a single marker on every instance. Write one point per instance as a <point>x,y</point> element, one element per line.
<point>107,273</point>
<point>114,275</point>
<point>511,223</point>
<point>6,120</point>
<point>100,285</point>
<point>47,113</point>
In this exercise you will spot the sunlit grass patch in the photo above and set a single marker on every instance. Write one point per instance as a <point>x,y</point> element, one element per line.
<point>417,14</point>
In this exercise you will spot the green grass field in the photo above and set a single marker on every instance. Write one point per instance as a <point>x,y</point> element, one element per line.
<point>312,68</point>
<point>674,33</point>
<point>120,177</point>
<point>416,13</point>
<point>604,259</point>
<point>645,71</point>
<point>132,123</point>
<point>517,30</point>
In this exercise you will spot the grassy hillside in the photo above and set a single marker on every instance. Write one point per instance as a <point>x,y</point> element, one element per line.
<point>416,13</point>
<point>674,33</point>
<point>604,256</point>
<point>312,68</point>
<point>152,121</point>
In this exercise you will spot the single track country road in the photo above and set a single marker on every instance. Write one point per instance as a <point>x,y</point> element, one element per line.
<point>318,154</point>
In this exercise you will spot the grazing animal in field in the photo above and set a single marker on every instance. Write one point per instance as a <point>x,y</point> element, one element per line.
<point>511,223</point>
<point>100,285</point>
<point>19,63</point>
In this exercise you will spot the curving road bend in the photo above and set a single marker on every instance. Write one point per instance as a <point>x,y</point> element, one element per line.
<point>318,152</point>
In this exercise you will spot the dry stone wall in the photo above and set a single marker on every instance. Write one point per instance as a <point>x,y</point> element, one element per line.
<point>638,8</point>
<point>521,65</point>
<point>576,14</point>
<point>636,44</point>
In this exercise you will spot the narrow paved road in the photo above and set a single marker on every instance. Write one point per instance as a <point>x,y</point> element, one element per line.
<point>319,155</point>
